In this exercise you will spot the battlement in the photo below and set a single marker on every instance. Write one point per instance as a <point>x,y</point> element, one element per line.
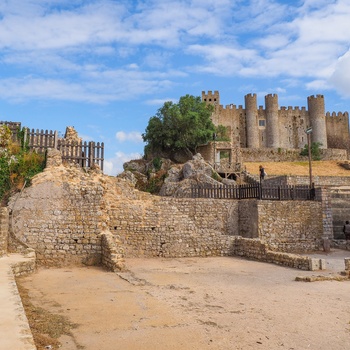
<point>271,96</point>
<point>233,107</point>
<point>290,108</point>
<point>211,97</point>
<point>337,115</point>
<point>250,95</point>
<point>315,97</point>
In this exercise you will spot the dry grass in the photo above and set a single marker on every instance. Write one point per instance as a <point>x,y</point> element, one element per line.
<point>46,327</point>
<point>319,168</point>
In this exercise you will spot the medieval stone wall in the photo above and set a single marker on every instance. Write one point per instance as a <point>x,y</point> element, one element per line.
<point>280,127</point>
<point>291,226</point>
<point>173,227</point>
<point>69,216</point>
<point>61,220</point>
<point>4,226</point>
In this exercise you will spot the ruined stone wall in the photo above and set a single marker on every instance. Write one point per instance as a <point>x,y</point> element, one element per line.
<point>257,250</point>
<point>291,226</point>
<point>66,214</point>
<point>173,227</point>
<point>60,220</point>
<point>4,227</point>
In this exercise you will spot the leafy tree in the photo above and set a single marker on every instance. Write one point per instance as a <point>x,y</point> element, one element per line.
<point>179,126</point>
<point>315,150</point>
<point>221,133</point>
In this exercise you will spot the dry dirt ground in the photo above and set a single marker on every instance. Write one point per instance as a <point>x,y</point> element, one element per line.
<point>193,303</point>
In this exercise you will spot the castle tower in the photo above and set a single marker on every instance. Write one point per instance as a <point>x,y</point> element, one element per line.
<point>272,126</point>
<point>317,119</point>
<point>212,98</point>
<point>251,112</point>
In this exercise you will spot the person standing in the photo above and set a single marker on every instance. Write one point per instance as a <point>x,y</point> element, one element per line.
<point>346,230</point>
<point>262,172</point>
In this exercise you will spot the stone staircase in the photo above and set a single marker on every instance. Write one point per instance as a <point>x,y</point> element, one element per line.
<point>340,201</point>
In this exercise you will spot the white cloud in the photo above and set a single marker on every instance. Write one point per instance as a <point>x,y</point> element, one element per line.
<point>341,75</point>
<point>114,166</point>
<point>159,102</point>
<point>133,136</point>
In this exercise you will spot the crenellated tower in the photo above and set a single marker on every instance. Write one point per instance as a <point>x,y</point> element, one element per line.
<point>251,113</point>
<point>210,97</point>
<point>272,121</point>
<point>317,119</point>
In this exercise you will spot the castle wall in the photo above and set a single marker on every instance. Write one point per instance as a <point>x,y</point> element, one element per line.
<point>4,230</point>
<point>291,226</point>
<point>283,127</point>
<point>338,130</point>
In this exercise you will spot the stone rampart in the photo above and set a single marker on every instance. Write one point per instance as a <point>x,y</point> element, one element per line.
<point>4,228</point>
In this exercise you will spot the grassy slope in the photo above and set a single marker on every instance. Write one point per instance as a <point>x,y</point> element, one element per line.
<point>320,168</point>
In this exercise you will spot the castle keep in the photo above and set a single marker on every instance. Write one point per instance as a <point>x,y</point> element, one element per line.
<point>280,127</point>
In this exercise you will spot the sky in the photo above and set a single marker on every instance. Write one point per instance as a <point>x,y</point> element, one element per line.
<point>106,66</point>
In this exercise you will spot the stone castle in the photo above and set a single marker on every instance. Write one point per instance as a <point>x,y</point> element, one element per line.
<point>277,127</point>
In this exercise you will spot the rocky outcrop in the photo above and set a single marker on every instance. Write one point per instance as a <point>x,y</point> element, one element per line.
<point>181,177</point>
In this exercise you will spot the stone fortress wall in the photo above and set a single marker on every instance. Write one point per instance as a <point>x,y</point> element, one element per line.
<point>280,127</point>
<point>69,216</point>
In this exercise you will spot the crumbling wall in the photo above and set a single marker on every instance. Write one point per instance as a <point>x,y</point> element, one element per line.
<point>60,217</point>
<point>258,250</point>
<point>65,214</point>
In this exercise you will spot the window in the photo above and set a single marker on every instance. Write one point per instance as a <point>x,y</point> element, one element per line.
<point>262,122</point>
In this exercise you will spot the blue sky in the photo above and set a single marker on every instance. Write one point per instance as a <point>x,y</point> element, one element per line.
<point>105,67</point>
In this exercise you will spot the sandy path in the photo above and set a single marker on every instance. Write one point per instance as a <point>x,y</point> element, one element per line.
<point>211,303</point>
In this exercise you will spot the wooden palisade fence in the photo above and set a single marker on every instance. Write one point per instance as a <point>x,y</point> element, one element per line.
<point>86,154</point>
<point>258,191</point>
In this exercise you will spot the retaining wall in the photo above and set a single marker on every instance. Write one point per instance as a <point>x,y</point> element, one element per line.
<point>4,227</point>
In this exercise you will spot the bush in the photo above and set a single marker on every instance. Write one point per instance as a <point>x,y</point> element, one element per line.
<point>315,151</point>
<point>17,165</point>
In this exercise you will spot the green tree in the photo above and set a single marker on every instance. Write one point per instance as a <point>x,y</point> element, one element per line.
<point>315,150</point>
<point>179,126</point>
<point>222,133</point>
